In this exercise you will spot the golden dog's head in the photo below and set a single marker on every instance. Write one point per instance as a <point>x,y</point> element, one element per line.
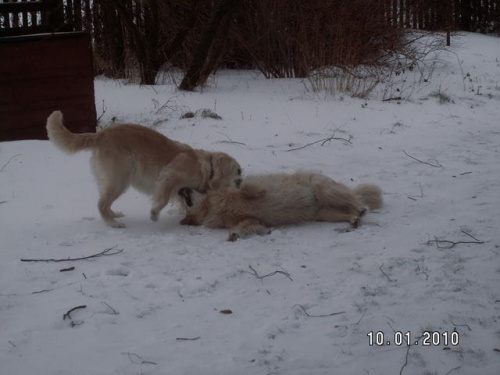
<point>225,171</point>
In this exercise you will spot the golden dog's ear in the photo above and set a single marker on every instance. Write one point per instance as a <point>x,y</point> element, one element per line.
<point>251,191</point>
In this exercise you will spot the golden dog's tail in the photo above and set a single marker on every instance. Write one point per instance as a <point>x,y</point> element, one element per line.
<point>370,195</point>
<point>66,140</point>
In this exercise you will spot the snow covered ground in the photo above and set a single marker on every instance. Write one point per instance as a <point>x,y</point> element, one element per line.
<point>155,307</point>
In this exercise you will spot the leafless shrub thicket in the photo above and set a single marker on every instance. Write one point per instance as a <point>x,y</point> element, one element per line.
<point>340,44</point>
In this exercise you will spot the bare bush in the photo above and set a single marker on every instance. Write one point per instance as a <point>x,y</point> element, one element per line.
<point>337,43</point>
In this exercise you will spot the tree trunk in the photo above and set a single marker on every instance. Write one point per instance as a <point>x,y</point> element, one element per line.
<point>203,61</point>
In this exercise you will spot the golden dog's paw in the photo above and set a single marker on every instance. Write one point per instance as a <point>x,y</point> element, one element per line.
<point>188,221</point>
<point>233,237</point>
<point>115,215</point>
<point>154,215</point>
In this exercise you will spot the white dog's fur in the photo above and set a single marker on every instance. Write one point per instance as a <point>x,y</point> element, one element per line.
<point>129,154</point>
<point>265,201</point>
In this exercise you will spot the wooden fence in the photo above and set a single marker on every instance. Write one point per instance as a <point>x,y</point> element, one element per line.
<point>30,16</point>
<point>23,17</point>
<point>43,68</point>
<point>467,15</point>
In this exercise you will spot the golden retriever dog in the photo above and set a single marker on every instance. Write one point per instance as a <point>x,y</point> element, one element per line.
<point>129,154</point>
<point>265,201</point>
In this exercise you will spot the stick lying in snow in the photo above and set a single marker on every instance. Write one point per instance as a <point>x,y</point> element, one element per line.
<point>385,274</point>
<point>101,254</point>
<point>423,162</point>
<point>137,359</point>
<point>407,354</point>
<point>68,313</point>
<point>318,316</point>
<point>269,274</point>
<point>451,244</point>
<point>8,161</point>
<point>323,141</point>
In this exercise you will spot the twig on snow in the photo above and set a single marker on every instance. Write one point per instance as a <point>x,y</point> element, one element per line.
<point>423,162</point>
<point>104,108</point>
<point>385,274</point>
<point>131,356</point>
<point>323,142</point>
<point>67,269</point>
<point>361,318</point>
<point>68,314</point>
<point>421,193</point>
<point>460,325</point>
<point>105,252</point>
<point>420,269</point>
<point>254,272</point>
<point>450,244</point>
<point>453,369</point>
<point>393,98</point>
<point>113,310</point>
<point>229,140</point>
<point>318,316</point>
<point>187,338</point>
<point>407,354</point>
<point>42,291</point>
<point>8,161</point>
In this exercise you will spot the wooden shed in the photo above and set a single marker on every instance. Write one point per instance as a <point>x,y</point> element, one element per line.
<point>42,72</point>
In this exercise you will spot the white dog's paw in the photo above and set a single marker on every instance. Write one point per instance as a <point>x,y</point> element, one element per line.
<point>154,215</point>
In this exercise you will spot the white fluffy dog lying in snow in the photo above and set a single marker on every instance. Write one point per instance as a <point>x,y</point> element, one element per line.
<point>265,201</point>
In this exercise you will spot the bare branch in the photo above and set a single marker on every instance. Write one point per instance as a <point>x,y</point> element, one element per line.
<point>323,142</point>
<point>42,291</point>
<point>104,108</point>
<point>460,325</point>
<point>105,252</point>
<point>318,316</point>
<point>230,140</point>
<point>68,313</point>
<point>423,162</point>
<point>139,360</point>
<point>254,272</point>
<point>386,275</point>
<point>113,310</point>
<point>8,161</point>
<point>446,244</point>
<point>407,355</point>
<point>393,98</point>
<point>453,369</point>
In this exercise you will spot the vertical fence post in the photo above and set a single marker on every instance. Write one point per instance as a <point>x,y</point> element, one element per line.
<point>54,17</point>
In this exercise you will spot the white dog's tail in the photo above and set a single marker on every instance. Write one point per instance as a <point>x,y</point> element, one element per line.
<point>370,195</point>
<point>66,140</point>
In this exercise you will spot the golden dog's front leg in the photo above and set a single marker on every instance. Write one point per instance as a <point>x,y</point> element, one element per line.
<point>182,171</point>
<point>164,187</point>
<point>246,228</point>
